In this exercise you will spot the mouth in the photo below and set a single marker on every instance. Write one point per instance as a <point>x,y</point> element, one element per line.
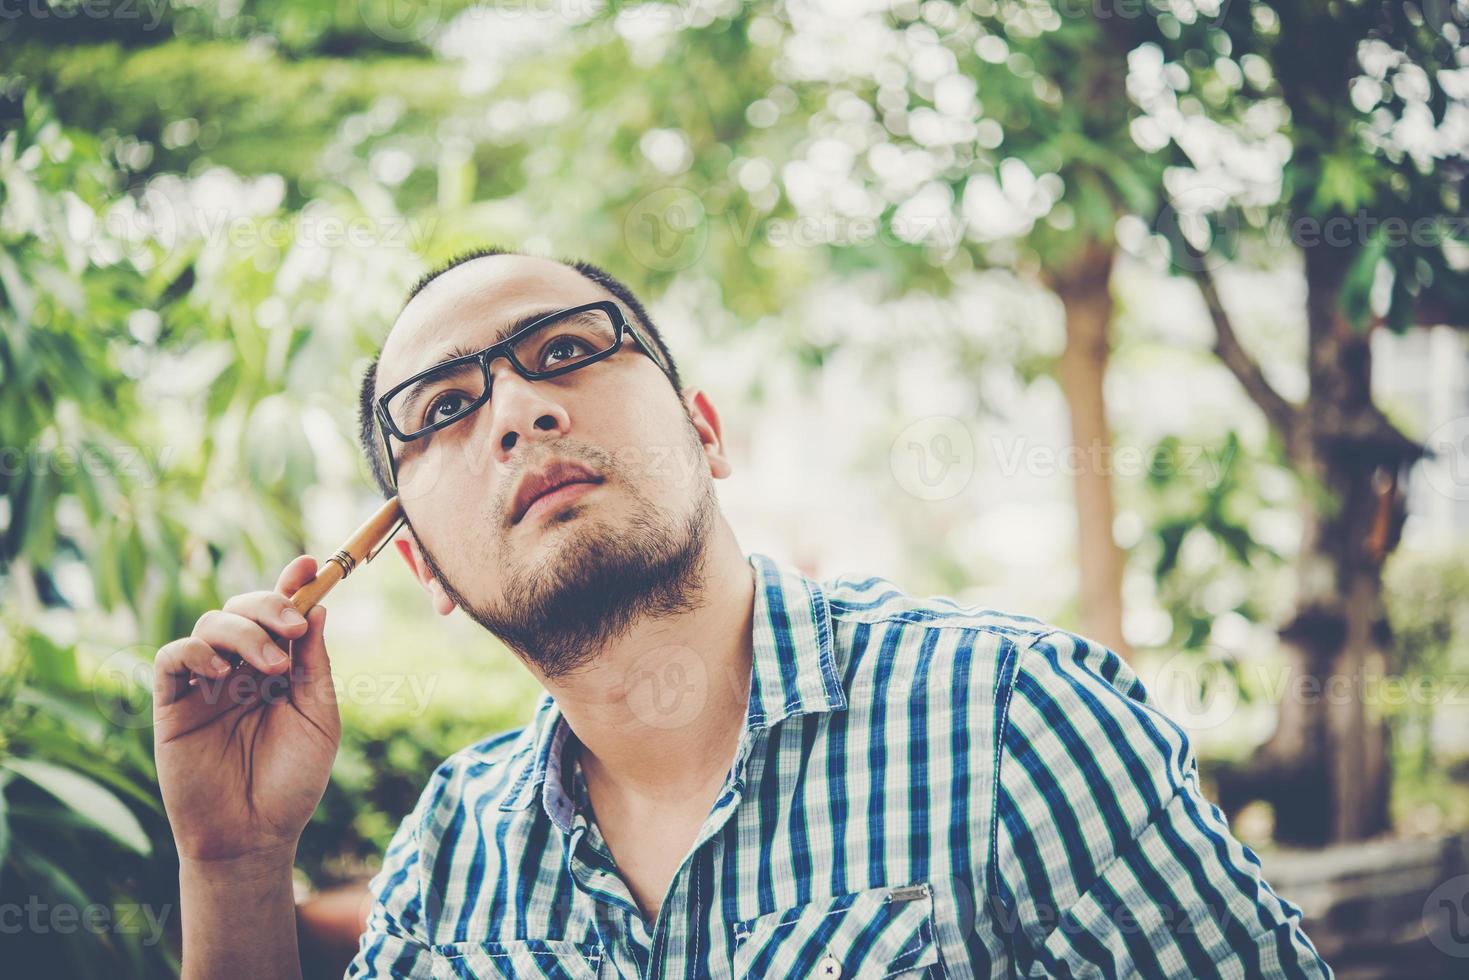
<point>556,497</point>
<point>558,483</point>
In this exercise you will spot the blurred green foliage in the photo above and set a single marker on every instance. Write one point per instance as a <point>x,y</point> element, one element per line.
<point>82,830</point>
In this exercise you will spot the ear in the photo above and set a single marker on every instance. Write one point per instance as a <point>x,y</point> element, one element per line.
<point>407,546</point>
<point>706,422</point>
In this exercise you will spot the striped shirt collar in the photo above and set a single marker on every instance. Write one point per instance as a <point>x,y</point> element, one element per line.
<point>794,673</point>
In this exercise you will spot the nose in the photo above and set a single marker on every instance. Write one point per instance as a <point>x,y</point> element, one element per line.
<point>521,412</point>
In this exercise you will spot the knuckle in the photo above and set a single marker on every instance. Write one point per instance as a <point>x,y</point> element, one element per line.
<point>188,650</point>
<point>165,653</point>
<point>244,601</point>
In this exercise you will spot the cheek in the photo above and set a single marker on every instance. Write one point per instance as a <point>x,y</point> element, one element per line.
<point>457,521</point>
<point>669,468</point>
<point>446,466</point>
<point>652,441</point>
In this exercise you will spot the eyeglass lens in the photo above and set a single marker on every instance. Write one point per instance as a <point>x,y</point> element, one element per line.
<point>455,389</point>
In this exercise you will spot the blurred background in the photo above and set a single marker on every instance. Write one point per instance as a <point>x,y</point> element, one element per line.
<point>1146,317</point>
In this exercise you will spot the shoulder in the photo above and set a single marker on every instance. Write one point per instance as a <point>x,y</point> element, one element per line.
<point>887,640</point>
<point>1061,670</point>
<point>873,599</point>
<point>1076,719</point>
<point>880,629</point>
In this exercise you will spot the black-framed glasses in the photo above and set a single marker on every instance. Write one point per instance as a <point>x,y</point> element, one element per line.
<point>555,344</point>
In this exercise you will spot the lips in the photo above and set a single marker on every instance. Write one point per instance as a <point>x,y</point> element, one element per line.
<point>543,481</point>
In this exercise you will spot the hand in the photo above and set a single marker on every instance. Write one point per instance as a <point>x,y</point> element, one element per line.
<point>244,754</point>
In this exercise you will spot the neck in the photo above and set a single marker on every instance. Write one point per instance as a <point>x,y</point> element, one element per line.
<point>660,710</point>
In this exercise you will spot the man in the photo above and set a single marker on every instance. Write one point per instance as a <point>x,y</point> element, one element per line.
<point>737,771</point>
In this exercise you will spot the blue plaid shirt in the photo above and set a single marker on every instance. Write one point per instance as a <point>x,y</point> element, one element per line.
<point>921,789</point>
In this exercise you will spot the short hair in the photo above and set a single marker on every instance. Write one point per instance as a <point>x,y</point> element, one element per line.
<point>366,409</point>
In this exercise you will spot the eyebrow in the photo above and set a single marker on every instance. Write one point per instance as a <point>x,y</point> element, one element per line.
<point>464,348</point>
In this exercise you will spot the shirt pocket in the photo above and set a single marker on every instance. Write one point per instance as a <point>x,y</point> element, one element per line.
<point>518,959</point>
<point>877,932</point>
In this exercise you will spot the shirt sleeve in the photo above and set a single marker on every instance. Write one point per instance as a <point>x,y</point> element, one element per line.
<point>395,942</point>
<point>1107,858</point>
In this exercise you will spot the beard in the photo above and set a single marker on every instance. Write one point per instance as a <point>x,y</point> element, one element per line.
<point>563,612</point>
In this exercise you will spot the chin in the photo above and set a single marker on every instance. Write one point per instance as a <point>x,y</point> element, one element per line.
<point>561,534</point>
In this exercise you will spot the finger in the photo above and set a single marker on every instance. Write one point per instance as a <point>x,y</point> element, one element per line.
<point>311,668</point>
<point>300,571</point>
<point>226,631</point>
<point>272,610</point>
<point>177,661</point>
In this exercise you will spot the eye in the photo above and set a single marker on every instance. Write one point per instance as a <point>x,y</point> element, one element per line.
<point>445,406</point>
<point>569,348</point>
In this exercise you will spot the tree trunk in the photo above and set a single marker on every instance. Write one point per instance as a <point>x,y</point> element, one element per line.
<point>1326,769</point>
<point>1083,286</point>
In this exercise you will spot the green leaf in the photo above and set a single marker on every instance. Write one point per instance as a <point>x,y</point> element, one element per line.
<point>17,291</point>
<point>88,798</point>
<point>40,872</point>
<point>83,720</point>
<point>38,534</point>
<point>53,665</point>
<point>1356,290</point>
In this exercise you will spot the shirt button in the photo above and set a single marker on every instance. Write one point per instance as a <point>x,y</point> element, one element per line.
<point>828,968</point>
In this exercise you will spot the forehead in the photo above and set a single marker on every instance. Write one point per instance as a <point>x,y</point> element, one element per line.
<point>473,305</point>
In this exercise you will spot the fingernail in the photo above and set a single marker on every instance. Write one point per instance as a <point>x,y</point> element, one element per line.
<point>274,655</point>
<point>218,664</point>
<point>291,617</point>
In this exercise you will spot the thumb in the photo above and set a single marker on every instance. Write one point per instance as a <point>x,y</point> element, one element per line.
<point>300,571</point>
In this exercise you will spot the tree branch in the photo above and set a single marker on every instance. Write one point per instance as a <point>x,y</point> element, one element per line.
<point>1282,415</point>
